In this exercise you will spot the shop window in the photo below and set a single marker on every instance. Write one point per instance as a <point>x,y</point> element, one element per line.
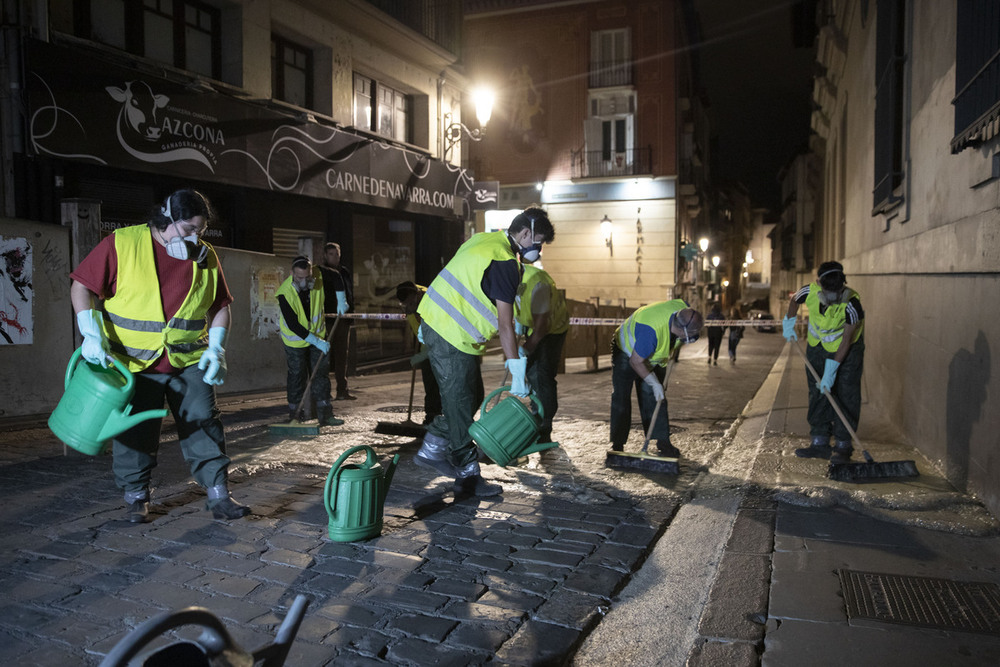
<point>291,72</point>
<point>182,33</point>
<point>381,109</point>
<point>977,73</point>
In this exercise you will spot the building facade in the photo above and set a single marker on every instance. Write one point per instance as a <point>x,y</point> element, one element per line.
<point>908,121</point>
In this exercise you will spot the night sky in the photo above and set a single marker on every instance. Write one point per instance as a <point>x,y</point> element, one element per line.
<point>759,87</point>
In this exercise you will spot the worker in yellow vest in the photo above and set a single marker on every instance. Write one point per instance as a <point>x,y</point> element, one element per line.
<point>640,349</point>
<point>837,347</point>
<point>303,332</point>
<point>469,302</point>
<point>165,314</point>
<point>540,313</point>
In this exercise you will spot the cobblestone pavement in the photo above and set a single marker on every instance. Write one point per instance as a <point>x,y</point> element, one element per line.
<point>519,579</point>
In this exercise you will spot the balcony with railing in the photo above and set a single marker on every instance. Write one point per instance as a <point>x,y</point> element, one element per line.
<point>600,163</point>
<point>610,73</point>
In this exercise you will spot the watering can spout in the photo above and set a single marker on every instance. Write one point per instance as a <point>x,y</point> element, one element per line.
<point>387,478</point>
<point>118,423</point>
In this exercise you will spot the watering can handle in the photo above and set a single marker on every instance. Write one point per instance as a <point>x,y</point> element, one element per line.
<point>334,476</point>
<point>506,387</point>
<point>122,368</point>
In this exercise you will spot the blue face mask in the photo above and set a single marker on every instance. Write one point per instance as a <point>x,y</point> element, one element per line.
<point>531,253</point>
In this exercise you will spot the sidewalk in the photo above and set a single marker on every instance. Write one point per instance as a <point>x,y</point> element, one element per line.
<point>734,562</point>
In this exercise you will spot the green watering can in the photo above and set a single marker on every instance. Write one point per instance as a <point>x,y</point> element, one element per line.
<point>355,495</point>
<point>508,431</point>
<point>95,406</point>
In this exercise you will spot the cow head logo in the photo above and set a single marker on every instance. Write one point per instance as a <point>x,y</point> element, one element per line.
<point>139,108</point>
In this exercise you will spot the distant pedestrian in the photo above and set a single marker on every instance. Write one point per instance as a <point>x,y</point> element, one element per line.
<point>735,336</point>
<point>164,313</point>
<point>409,295</point>
<point>338,286</point>
<point>303,332</point>
<point>640,350</point>
<point>714,333</point>
<point>837,346</point>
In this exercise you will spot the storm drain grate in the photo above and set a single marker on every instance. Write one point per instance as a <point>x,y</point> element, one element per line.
<point>967,606</point>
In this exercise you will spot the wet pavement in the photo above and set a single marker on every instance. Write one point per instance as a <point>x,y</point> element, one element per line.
<point>742,559</point>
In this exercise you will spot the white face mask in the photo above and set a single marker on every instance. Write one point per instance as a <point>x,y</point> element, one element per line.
<point>187,248</point>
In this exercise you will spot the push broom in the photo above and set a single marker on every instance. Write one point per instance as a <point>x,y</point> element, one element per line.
<point>409,428</point>
<point>870,469</point>
<point>643,460</point>
<point>296,428</point>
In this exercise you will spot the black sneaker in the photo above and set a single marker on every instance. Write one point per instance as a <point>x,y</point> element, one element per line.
<point>476,486</point>
<point>345,396</point>
<point>227,508</point>
<point>137,512</point>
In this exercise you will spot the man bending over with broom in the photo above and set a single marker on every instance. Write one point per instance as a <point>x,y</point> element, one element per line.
<point>837,349</point>
<point>303,332</point>
<point>466,305</point>
<point>640,350</point>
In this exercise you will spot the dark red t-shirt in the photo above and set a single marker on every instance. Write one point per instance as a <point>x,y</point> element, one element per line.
<point>98,272</point>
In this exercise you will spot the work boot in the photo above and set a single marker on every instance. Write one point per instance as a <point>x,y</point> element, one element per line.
<point>137,506</point>
<point>475,486</point>
<point>433,454</point>
<point>222,504</point>
<point>326,417</point>
<point>345,396</point>
<point>842,451</point>
<point>819,448</point>
<point>664,448</point>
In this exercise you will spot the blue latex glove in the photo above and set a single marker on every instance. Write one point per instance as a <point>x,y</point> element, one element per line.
<point>95,345</point>
<point>829,375</point>
<point>420,334</point>
<point>519,329</point>
<point>214,358</point>
<point>318,343</point>
<point>655,385</point>
<point>341,303</point>
<point>788,328</point>
<point>420,357</point>
<point>521,352</point>
<point>518,383</point>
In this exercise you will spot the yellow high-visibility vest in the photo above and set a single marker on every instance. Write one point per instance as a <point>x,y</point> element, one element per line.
<point>657,316</point>
<point>827,328</point>
<point>314,322</point>
<point>558,315</point>
<point>134,322</point>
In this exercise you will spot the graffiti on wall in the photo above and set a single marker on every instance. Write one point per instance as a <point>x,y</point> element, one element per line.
<point>15,292</point>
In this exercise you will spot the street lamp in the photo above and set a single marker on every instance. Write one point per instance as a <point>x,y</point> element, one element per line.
<point>483,100</point>
<point>606,232</point>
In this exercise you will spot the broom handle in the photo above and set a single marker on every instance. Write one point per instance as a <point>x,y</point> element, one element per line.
<point>305,392</point>
<point>413,383</point>
<point>656,410</point>
<point>833,403</point>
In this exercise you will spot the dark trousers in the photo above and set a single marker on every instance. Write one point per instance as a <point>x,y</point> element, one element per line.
<point>543,365</point>
<point>734,341</point>
<point>822,418</point>
<point>714,342</point>
<point>623,378</point>
<point>461,388</point>
<point>339,345</point>
<point>432,393</point>
<point>300,363</point>
<point>199,430</point>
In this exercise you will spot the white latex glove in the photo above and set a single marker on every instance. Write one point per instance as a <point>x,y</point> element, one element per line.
<point>655,385</point>
<point>788,328</point>
<point>95,345</point>
<point>214,358</point>
<point>318,343</point>
<point>341,303</point>
<point>518,383</point>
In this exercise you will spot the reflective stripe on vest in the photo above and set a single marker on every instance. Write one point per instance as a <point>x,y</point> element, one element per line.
<point>827,328</point>
<point>558,315</point>
<point>657,316</point>
<point>315,324</point>
<point>133,317</point>
<point>456,307</point>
